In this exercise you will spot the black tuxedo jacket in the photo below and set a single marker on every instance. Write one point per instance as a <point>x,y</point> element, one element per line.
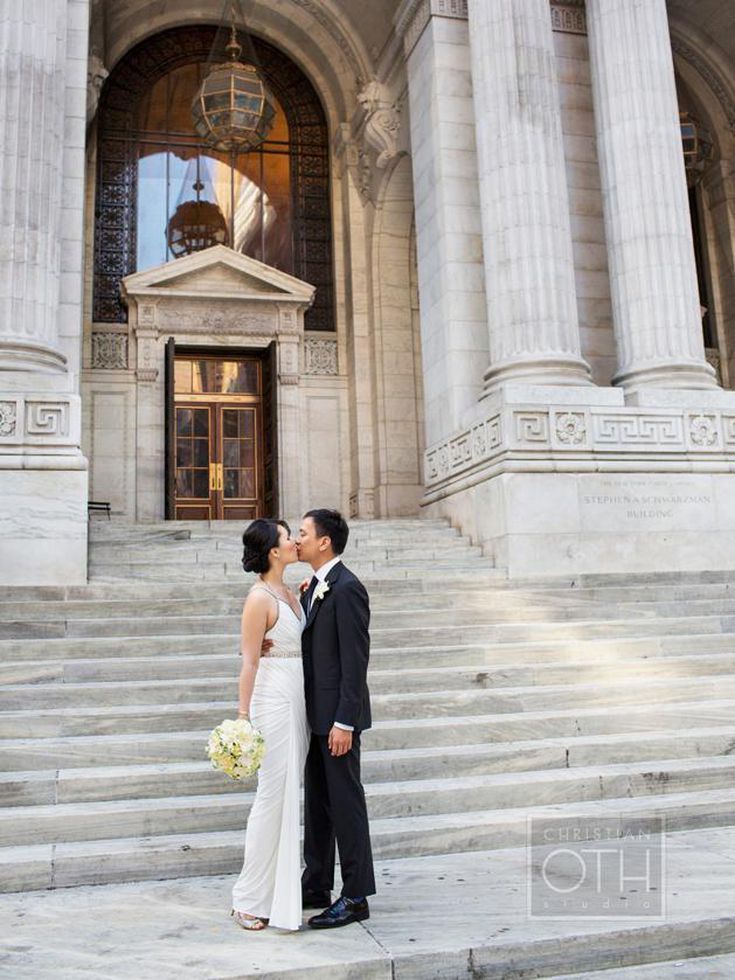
<point>336,649</point>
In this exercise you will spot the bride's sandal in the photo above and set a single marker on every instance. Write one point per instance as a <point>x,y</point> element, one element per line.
<point>250,922</point>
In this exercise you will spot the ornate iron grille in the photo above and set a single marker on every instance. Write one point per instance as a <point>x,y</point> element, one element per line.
<point>115,210</point>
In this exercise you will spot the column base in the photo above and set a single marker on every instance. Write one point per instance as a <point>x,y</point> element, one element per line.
<point>538,371</point>
<point>29,356</point>
<point>695,375</point>
<point>43,526</point>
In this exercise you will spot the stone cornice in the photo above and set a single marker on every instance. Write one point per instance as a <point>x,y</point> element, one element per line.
<point>413,15</point>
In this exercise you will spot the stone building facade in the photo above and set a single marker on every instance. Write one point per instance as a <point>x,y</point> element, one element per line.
<point>484,270</point>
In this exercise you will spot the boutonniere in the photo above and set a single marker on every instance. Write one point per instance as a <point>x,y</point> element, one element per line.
<point>321,590</point>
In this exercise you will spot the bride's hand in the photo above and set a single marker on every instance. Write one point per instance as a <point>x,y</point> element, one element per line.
<point>303,586</point>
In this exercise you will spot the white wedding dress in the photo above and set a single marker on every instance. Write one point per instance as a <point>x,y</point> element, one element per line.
<point>269,885</point>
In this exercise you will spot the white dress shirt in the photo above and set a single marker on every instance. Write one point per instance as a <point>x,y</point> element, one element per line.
<point>320,574</point>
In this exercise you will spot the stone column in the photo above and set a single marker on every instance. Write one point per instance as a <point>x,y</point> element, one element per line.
<point>527,240</point>
<point>43,478</point>
<point>448,226</point>
<point>718,184</point>
<point>32,53</point>
<point>652,270</point>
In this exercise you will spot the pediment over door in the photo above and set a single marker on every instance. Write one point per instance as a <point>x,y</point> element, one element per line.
<point>216,294</point>
<point>217,273</point>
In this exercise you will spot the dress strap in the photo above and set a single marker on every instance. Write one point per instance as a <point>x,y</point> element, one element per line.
<point>266,588</point>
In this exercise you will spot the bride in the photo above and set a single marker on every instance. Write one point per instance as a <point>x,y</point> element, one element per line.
<point>268,890</point>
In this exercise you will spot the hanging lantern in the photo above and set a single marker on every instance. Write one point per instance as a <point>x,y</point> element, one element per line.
<point>696,145</point>
<point>233,110</point>
<point>196,225</point>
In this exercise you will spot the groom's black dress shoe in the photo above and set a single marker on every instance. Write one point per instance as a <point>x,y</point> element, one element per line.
<point>341,913</point>
<point>315,900</point>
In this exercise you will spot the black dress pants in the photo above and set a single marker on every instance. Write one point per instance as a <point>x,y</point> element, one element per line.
<point>334,808</point>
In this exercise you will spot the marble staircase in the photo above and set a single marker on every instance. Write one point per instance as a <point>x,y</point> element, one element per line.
<point>491,703</point>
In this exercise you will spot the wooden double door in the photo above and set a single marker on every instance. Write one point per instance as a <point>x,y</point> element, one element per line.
<point>220,453</point>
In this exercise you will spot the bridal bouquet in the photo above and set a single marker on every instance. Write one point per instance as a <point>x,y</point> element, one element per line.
<point>236,748</point>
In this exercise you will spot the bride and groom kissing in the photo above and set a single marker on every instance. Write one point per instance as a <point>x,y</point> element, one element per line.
<point>303,684</point>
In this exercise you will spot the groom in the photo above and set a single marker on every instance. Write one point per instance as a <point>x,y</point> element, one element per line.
<point>336,647</point>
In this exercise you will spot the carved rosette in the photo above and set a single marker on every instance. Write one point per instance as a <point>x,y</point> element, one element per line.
<point>8,418</point>
<point>570,428</point>
<point>703,431</point>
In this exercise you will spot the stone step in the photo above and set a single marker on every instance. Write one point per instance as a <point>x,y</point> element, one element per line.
<point>104,771</point>
<point>35,824</point>
<point>34,866</point>
<point>441,597</point>
<point>465,580</point>
<point>687,966</point>
<point>385,606</point>
<point>390,751</point>
<point>418,669</point>
<point>593,650</point>
<point>478,696</point>
<point>231,570</point>
<point>129,622</point>
<point>403,712</point>
<point>545,628</point>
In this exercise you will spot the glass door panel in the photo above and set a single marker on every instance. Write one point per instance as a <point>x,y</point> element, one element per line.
<point>240,461</point>
<point>195,474</point>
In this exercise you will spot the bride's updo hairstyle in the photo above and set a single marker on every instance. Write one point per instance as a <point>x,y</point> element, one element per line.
<point>257,540</point>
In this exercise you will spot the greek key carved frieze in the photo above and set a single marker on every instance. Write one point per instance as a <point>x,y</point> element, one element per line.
<point>463,451</point>
<point>320,356</point>
<point>638,430</point>
<point>109,351</point>
<point>531,427</point>
<point>728,430</point>
<point>46,418</point>
<point>590,433</point>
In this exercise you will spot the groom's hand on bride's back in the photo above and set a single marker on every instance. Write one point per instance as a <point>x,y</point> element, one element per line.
<point>267,644</point>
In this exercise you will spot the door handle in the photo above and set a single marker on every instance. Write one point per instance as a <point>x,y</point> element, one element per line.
<point>220,476</point>
<point>212,476</point>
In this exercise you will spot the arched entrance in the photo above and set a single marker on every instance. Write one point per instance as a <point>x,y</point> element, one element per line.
<point>148,151</point>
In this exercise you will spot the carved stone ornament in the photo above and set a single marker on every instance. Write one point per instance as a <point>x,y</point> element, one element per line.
<point>382,122</point>
<point>96,75</point>
<point>320,356</point>
<point>8,418</point>
<point>44,418</point>
<point>570,428</point>
<point>568,16</point>
<point>214,318</point>
<point>702,430</point>
<point>109,351</point>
